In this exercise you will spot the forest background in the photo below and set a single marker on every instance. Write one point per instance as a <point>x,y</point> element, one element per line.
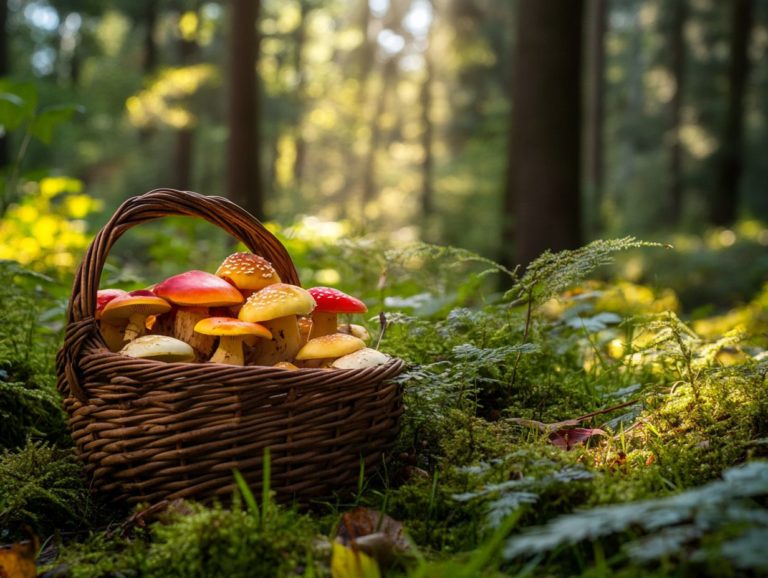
<point>356,130</point>
<point>499,128</point>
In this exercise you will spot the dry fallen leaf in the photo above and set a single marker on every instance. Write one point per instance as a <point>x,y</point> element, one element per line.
<point>569,438</point>
<point>18,560</point>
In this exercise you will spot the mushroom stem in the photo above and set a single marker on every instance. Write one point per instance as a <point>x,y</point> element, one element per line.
<point>322,324</point>
<point>230,350</point>
<point>184,329</point>
<point>113,335</point>
<point>135,327</point>
<point>285,342</point>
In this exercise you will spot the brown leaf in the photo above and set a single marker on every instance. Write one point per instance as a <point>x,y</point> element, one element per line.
<point>374,533</point>
<point>568,438</point>
<point>18,560</point>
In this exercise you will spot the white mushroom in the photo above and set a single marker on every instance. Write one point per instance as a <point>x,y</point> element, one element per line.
<point>361,359</point>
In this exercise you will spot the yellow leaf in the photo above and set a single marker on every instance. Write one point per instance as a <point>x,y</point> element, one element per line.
<point>349,563</point>
<point>18,560</point>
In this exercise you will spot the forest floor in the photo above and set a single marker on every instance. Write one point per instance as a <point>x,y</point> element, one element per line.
<point>565,427</point>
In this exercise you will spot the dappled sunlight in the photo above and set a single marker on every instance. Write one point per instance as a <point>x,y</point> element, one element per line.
<point>46,231</point>
<point>163,102</point>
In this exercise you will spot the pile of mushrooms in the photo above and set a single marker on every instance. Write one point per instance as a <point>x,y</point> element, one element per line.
<point>241,315</point>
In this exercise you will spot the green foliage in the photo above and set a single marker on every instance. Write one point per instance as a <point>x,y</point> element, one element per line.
<point>29,329</point>
<point>41,486</point>
<point>685,527</point>
<point>192,541</point>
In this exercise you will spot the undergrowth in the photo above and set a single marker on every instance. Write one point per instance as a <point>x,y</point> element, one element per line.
<point>593,412</point>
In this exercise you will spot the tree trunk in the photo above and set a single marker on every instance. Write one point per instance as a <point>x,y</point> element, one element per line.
<point>595,111</point>
<point>244,184</point>
<point>301,145</point>
<point>679,14</point>
<point>4,71</point>
<point>427,164</point>
<point>149,55</point>
<point>542,192</point>
<point>726,195</point>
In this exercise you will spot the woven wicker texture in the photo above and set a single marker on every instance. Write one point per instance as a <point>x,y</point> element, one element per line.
<point>148,431</point>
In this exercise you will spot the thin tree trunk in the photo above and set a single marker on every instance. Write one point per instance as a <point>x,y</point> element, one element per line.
<point>4,71</point>
<point>427,164</point>
<point>544,160</point>
<point>184,146</point>
<point>595,111</point>
<point>369,167</point>
<point>301,145</point>
<point>725,200</point>
<point>677,48</point>
<point>244,183</point>
<point>149,57</point>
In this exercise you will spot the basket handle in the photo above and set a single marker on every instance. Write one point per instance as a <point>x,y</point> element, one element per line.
<point>81,323</point>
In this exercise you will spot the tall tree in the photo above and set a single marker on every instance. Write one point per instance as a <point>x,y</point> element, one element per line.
<point>725,197</point>
<point>542,200</point>
<point>427,163</point>
<point>679,16</point>
<point>244,183</point>
<point>595,110</point>
<point>4,70</point>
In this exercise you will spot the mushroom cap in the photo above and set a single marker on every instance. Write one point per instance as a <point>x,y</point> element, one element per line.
<point>330,300</point>
<point>141,302</point>
<point>328,346</point>
<point>104,296</point>
<point>354,329</point>
<point>248,271</point>
<point>361,359</point>
<point>277,300</point>
<point>198,288</point>
<point>159,348</point>
<point>231,326</point>
<point>287,365</point>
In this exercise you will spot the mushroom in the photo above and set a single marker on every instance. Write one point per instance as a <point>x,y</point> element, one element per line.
<point>331,302</point>
<point>112,334</point>
<point>134,308</point>
<point>320,350</point>
<point>194,292</point>
<point>287,365</point>
<point>356,330</point>
<point>159,348</point>
<point>361,359</point>
<point>248,272</point>
<point>231,333</point>
<point>276,307</point>
<point>305,326</point>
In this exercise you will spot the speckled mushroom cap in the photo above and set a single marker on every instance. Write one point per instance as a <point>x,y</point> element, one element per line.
<point>198,289</point>
<point>274,301</point>
<point>330,300</point>
<point>247,271</point>
<point>328,346</point>
<point>232,327</point>
<point>140,302</point>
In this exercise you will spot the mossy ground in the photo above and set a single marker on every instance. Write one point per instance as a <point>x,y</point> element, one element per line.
<point>488,376</point>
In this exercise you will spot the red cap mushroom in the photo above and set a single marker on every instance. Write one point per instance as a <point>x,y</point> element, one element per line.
<point>331,302</point>
<point>133,308</point>
<point>194,292</point>
<point>112,334</point>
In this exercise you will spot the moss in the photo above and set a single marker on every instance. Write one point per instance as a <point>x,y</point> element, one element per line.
<point>42,486</point>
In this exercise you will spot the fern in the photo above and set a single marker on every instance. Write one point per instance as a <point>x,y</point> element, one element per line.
<point>674,525</point>
<point>552,273</point>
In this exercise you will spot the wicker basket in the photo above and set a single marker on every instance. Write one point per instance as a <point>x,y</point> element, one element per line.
<point>148,431</point>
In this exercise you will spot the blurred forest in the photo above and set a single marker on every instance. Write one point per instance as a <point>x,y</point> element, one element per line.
<point>502,127</point>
